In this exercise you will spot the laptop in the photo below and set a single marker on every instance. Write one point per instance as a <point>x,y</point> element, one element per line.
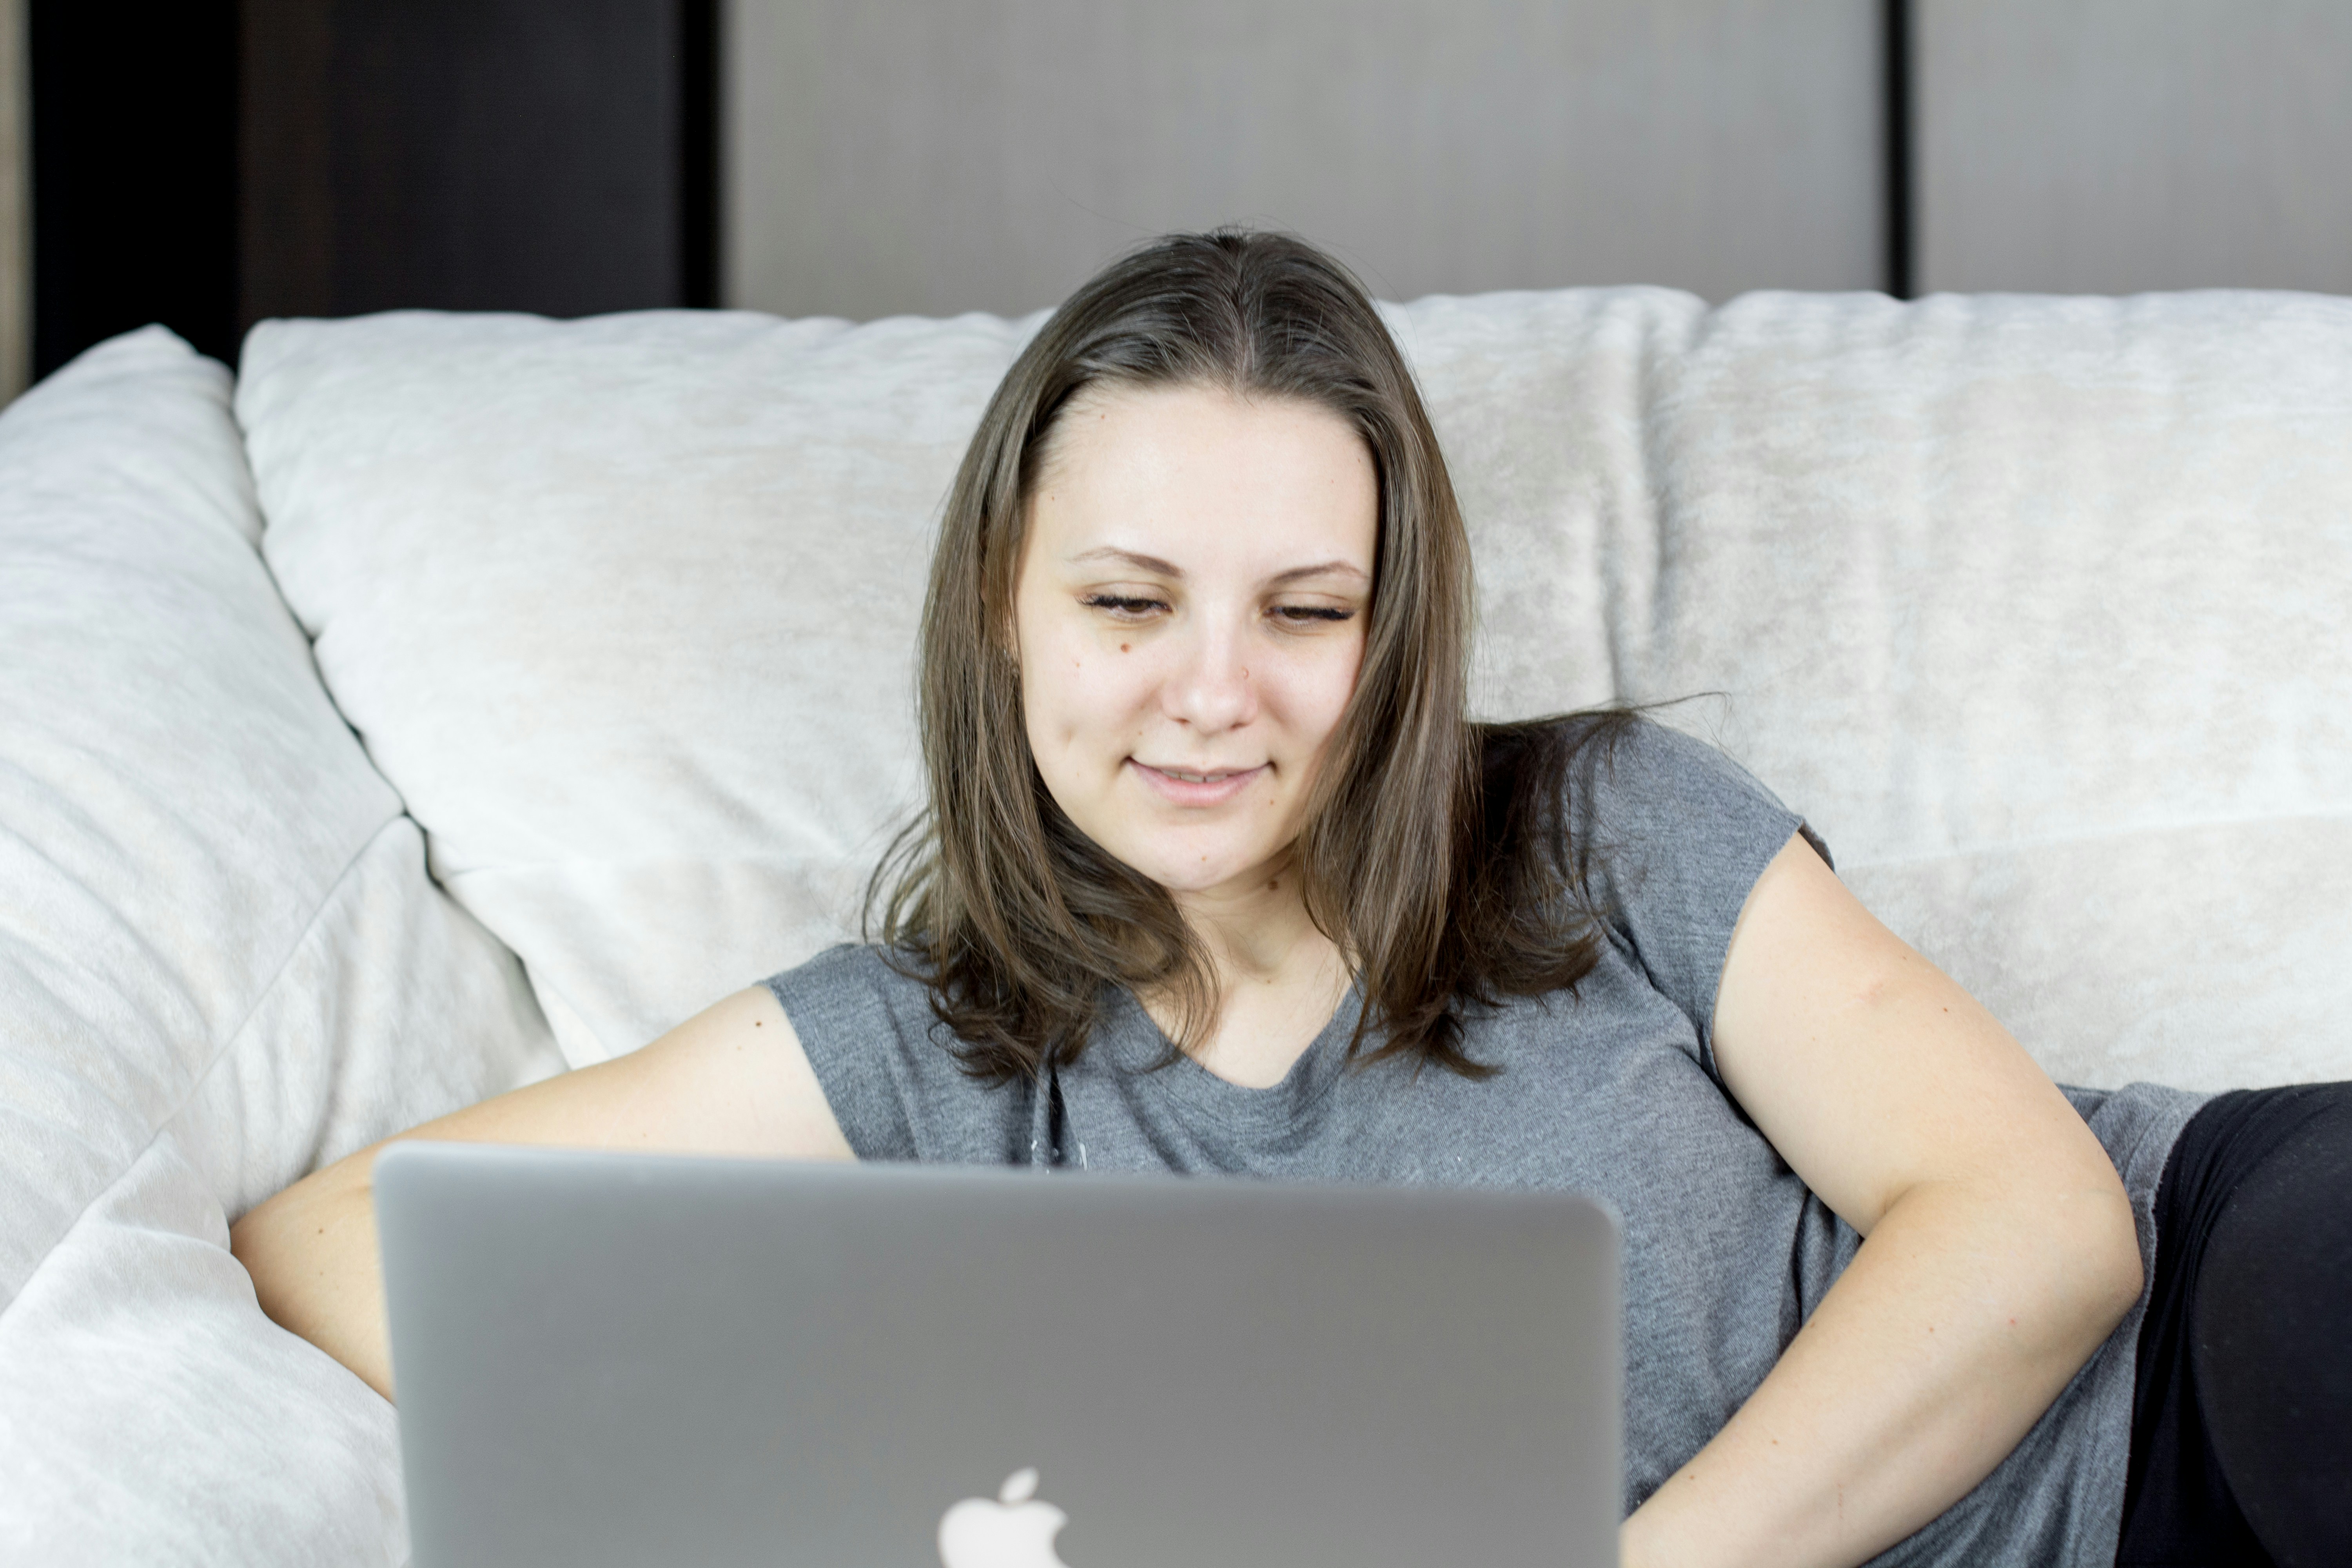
<point>609,1359</point>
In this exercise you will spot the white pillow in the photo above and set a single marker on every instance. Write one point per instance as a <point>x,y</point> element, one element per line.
<point>150,1414</point>
<point>2039,607</point>
<point>624,608</point>
<point>220,963</point>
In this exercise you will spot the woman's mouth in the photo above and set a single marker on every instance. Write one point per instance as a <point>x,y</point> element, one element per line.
<point>1197,786</point>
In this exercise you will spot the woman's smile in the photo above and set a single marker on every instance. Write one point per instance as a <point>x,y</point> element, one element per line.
<point>1186,787</point>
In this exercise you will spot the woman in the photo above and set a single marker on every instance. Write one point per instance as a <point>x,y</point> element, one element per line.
<point>1217,875</point>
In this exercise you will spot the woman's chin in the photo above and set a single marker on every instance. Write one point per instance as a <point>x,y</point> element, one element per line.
<point>1215,878</point>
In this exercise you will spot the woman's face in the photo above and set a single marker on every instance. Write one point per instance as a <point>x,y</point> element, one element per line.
<point>1189,619</point>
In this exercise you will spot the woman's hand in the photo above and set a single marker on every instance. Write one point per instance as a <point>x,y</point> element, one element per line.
<point>730,1081</point>
<point>1999,1248</point>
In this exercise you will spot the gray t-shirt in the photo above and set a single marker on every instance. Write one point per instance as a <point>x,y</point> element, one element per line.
<point>1610,1090</point>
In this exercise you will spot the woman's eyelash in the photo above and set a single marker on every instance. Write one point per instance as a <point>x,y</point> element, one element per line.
<point>1129,605</point>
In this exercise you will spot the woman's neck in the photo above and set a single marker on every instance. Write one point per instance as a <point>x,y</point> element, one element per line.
<point>1277,977</point>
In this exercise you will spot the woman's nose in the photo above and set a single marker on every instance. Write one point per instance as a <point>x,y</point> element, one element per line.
<point>1211,690</point>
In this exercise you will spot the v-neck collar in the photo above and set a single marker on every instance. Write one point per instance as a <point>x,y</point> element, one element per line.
<point>1139,1047</point>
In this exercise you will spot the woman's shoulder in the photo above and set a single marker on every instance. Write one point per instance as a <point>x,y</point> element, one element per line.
<point>858,962</point>
<point>863,972</point>
<point>1627,764</point>
<point>1665,836</point>
<point>1620,777</point>
<point>888,1067</point>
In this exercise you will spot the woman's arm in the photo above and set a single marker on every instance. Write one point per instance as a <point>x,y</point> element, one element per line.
<point>1999,1246</point>
<point>732,1081</point>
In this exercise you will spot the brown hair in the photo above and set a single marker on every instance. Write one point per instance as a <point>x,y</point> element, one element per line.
<point>1433,851</point>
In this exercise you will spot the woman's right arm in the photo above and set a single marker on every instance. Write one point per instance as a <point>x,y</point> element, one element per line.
<point>730,1081</point>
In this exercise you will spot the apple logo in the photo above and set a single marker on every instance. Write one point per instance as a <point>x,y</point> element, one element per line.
<point>1016,1530</point>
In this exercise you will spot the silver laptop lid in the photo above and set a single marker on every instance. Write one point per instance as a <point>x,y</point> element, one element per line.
<point>629,1359</point>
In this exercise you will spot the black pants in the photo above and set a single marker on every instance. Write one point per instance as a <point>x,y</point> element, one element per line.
<point>2242,1421</point>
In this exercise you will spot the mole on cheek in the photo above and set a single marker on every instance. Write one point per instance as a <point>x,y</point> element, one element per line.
<point>1122,647</point>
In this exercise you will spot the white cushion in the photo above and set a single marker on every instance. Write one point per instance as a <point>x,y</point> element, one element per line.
<point>625,608</point>
<point>221,962</point>
<point>150,1414</point>
<point>2040,607</point>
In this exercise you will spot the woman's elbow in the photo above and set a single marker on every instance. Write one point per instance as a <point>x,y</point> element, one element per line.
<point>2123,1274</point>
<point>2101,1276</point>
<point>307,1240</point>
<point>255,1241</point>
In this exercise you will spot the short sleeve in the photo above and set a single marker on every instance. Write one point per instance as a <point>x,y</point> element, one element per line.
<point>1673,835</point>
<point>889,1067</point>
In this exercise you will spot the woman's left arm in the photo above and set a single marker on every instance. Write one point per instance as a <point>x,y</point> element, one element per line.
<point>1999,1253</point>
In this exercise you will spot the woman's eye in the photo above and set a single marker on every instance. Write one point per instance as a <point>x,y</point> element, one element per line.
<point>1121,605</point>
<point>1309,615</point>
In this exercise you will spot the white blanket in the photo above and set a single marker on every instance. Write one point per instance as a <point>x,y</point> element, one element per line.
<point>220,963</point>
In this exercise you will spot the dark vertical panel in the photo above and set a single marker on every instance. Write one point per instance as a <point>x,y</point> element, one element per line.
<point>1902,226</point>
<point>134,172</point>
<point>698,176</point>
<point>285,236</point>
<point>506,155</point>
<point>558,156</point>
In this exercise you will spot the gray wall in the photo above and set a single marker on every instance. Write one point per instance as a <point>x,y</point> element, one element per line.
<point>2108,146</point>
<point>914,155</point>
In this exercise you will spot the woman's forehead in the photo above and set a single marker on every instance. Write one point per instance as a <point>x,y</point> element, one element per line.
<point>1166,471</point>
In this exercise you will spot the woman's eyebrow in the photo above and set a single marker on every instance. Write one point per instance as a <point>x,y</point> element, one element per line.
<point>1151,563</point>
<point>1325,569</point>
